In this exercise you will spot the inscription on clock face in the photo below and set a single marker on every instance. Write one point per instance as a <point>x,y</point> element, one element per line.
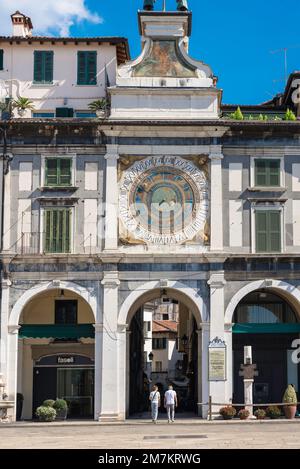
<point>164,200</point>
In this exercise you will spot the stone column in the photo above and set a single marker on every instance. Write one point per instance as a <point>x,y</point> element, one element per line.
<point>109,408</point>
<point>216,198</point>
<point>12,367</point>
<point>98,370</point>
<point>127,370</point>
<point>112,198</point>
<point>204,337</point>
<point>217,389</point>
<point>122,382</point>
<point>5,284</point>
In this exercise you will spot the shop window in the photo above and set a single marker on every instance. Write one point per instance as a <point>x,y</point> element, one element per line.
<point>66,312</point>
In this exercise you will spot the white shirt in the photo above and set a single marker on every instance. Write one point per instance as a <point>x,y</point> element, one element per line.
<point>154,396</point>
<point>170,396</point>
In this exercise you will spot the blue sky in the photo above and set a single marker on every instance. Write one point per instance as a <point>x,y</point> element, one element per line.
<point>234,37</point>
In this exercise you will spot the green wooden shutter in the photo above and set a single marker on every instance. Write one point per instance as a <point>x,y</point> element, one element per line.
<point>57,230</point>
<point>1,59</point>
<point>274,173</point>
<point>81,68</point>
<point>260,173</point>
<point>274,231</point>
<point>51,172</point>
<point>65,171</point>
<point>64,112</point>
<point>261,231</point>
<point>91,66</point>
<point>268,231</point>
<point>38,67</point>
<point>48,66</point>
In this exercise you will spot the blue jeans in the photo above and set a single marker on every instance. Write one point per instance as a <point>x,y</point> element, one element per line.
<point>171,411</point>
<point>154,410</point>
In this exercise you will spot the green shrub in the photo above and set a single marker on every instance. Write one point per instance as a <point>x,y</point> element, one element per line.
<point>260,414</point>
<point>227,412</point>
<point>48,403</point>
<point>243,414</point>
<point>60,404</point>
<point>290,396</point>
<point>289,115</point>
<point>237,114</point>
<point>45,413</point>
<point>273,412</point>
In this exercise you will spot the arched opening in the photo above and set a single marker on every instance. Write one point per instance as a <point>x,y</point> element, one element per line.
<point>266,319</point>
<point>56,352</point>
<point>164,347</point>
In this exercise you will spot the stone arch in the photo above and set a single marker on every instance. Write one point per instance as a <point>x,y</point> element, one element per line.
<point>41,288</point>
<point>151,290</point>
<point>289,292</point>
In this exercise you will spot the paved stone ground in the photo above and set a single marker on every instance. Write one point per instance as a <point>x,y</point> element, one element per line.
<point>189,434</point>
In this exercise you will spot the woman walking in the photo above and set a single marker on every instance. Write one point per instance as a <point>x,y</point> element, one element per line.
<point>155,403</point>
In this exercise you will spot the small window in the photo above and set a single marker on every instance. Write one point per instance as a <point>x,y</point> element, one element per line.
<point>165,317</point>
<point>158,367</point>
<point>1,59</point>
<point>57,230</point>
<point>268,230</point>
<point>159,344</point>
<point>43,67</point>
<point>267,172</point>
<point>58,172</point>
<point>66,312</point>
<point>64,112</point>
<point>87,68</point>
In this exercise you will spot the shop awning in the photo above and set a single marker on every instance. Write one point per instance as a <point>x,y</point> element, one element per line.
<point>56,331</point>
<point>276,328</point>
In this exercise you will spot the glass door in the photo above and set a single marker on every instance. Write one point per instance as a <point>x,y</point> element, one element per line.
<point>76,386</point>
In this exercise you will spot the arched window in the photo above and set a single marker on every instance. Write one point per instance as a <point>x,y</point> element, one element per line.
<point>262,307</point>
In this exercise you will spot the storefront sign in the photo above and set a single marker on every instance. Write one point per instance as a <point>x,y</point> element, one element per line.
<point>217,360</point>
<point>64,360</point>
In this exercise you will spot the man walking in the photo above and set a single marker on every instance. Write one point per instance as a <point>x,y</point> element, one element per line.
<point>170,403</point>
<point>155,403</point>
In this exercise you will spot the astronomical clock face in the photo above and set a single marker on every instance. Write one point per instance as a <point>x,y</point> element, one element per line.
<point>163,200</point>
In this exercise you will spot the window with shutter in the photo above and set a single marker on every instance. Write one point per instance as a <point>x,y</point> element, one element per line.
<point>58,172</point>
<point>43,67</point>
<point>267,172</point>
<point>1,59</point>
<point>87,68</point>
<point>268,231</point>
<point>57,230</point>
<point>64,112</point>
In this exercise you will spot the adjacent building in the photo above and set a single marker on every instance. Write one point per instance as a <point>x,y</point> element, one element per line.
<point>168,195</point>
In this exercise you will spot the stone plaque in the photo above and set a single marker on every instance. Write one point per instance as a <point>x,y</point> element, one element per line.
<point>217,360</point>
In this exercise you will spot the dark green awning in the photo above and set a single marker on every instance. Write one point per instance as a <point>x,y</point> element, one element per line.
<point>276,328</point>
<point>56,331</point>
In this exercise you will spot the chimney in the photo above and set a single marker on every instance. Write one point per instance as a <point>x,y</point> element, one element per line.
<point>22,25</point>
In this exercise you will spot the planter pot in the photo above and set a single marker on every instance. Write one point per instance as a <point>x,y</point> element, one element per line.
<point>21,112</point>
<point>227,417</point>
<point>61,414</point>
<point>290,411</point>
<point>100,114</point>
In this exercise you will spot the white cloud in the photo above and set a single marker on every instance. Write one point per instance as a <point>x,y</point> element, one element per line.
<point>48,16</point>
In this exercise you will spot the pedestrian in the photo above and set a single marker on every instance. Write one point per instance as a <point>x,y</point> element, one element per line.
<point>155,403</point>
<point>170,403</point>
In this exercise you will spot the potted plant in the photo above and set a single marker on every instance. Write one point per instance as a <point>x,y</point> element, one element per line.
<point>243,414</point>
<point>273,412</point>
<point>99,107</point>
<point>237,114</point>
<point>290,397</point>
<point>48,403</point>
<point>45,413</point>
<point>227,412</point>
<point>22,105</point>
<point>20,400</point>
<point>260,414</point>
<point>61,408</point>
<point>290,115</point>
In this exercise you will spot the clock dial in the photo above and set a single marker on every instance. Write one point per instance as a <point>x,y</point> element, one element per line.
<point>163,200</point>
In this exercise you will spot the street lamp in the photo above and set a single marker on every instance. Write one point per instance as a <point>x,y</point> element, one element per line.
<point>184,340</point>
<point>150,356</point>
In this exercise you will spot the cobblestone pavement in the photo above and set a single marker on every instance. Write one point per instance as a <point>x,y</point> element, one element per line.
<point>183,435</point>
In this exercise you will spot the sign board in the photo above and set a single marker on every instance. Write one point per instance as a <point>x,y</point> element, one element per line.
<point>217,360</point>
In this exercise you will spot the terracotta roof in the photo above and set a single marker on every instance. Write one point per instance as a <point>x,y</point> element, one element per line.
<point>123,53</point>
<point>164,326</point>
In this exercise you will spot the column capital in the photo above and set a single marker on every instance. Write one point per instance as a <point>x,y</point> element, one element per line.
<point>111,280</point>
<point>6,283</point>
<point>205,326</point>
<point>112,152</point>
<point>98,328</point>
<point>14,329</point>
<point>216,152</point>
<point>217,280</point>
<point>122,328</point>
